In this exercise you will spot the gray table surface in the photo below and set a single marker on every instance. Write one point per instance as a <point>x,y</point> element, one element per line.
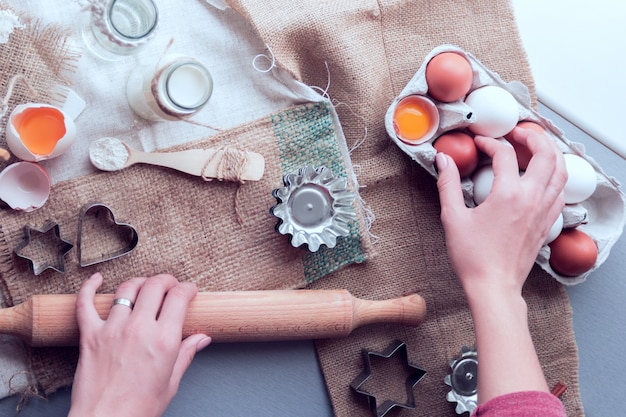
<point>284,379</point>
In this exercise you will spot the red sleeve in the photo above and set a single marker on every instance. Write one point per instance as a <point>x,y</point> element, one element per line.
<point>522,404</point>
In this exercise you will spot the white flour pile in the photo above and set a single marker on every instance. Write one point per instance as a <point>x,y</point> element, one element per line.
<point>108,154</point>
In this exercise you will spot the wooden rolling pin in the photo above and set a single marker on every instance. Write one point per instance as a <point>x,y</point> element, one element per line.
<point>236,316</point>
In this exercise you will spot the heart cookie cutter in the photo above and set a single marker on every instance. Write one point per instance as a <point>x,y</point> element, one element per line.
<point>122,236</point>
<point>44,248</point>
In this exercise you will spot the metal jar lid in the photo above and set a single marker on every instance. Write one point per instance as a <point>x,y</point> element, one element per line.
<point>314,207</point>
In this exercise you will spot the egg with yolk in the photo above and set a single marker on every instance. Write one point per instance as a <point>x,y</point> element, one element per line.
<point>415,119</point>
<point>36,132</point>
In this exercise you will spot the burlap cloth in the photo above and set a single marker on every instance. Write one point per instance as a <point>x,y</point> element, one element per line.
<point>371,49</point>
<point>42,55</point>
<point>217,234</point>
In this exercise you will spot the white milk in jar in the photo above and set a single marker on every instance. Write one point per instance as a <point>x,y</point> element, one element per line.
<point>175,89</point>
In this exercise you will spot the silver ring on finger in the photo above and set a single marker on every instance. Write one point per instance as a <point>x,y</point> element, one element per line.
<point>124,302</point>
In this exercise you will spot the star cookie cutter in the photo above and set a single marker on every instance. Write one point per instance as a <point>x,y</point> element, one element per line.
<point>44,248</point>
<point>314,207</point>
<point>123,237</point>
<point>416,375</point>
<point>463,379</point>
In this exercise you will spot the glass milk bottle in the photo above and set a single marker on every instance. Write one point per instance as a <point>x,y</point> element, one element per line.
<point>119,27</point>
<point>176,88</point>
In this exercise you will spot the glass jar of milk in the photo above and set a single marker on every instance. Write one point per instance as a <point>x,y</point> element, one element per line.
<point>176,88</point>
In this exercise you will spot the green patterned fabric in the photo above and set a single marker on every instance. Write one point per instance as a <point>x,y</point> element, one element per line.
<point>306,136</point>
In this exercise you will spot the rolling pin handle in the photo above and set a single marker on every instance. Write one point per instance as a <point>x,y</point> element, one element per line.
<point>409,310</point>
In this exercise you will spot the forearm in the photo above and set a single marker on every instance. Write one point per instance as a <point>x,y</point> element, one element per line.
<point>507,360</point>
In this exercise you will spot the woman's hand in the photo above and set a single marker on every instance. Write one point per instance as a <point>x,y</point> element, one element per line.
<point>492,248</point>
<point>131,364</point>
<point>497,242</point>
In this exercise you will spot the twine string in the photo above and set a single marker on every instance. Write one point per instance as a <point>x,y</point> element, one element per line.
<point>230,164</point>
<point>4,106</point>
<point>271,59</point>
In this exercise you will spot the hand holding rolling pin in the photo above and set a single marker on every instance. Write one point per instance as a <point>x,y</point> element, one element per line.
<point>136,345</point>
<point>135,357</point>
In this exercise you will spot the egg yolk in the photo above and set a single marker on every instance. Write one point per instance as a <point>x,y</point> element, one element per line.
<point>411,120</point>
<point>40,128</point>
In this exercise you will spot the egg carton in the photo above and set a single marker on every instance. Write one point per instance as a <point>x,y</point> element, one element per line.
<point>601,216</point>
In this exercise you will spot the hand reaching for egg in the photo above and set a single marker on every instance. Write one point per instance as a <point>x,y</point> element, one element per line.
<point>473,102</point>
<point>513,222</point>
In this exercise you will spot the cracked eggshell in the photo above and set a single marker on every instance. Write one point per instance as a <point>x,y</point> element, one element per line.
<point>26,125</point>
<point>602,215</point>
<point>24,186</point>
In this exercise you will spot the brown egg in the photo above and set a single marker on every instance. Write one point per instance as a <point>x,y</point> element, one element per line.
<point>573,253</point>
<point>461,148</point>
<point>449,77</point>
<point>523,153</point>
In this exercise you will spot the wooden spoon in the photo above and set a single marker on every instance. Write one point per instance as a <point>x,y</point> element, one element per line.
<point>111,154</point>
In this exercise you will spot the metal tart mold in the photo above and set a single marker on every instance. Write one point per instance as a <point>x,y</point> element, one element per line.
<point>315,207</point>
<point>463,381</point>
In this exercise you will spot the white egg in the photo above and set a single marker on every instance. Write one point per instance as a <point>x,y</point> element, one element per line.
<point>24,186</point>
<point>581,179</point>
<point>483,180</point>
<point>25,132</point>
<point>555,230</point>
<point>495,109</point>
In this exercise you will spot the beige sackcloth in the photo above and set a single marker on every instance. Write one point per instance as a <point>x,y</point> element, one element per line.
<point>49,65</point>
<point>366,51</point>
<point>372,48</point>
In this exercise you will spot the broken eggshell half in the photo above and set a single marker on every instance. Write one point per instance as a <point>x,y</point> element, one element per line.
<point>24,186</point>
<point>37,131</point>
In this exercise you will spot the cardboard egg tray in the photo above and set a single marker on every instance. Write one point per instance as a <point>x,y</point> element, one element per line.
<point>601,216</point>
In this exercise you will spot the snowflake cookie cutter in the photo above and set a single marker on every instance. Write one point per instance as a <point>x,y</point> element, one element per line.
<point>44,248</point>
<point>397,347</point>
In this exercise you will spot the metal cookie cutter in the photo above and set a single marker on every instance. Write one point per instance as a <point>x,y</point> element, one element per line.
<point>463,379</point>
<point>97,228</point>
<point>43,248</point>
<point>314,207</point>
<point>397,347</point>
